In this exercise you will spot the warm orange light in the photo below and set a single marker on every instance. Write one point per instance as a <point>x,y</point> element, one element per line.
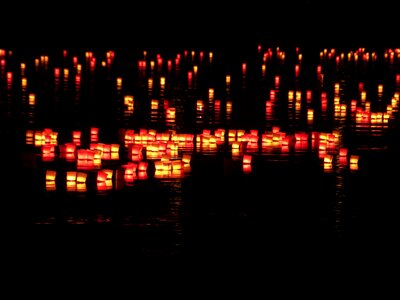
<point>71,176</point>
<point>51,175</point>
<point>343,152</point>
<point>81,177</point>
<point>228,80</point>
<point>354,159</point>
<point>247,159</point>
<point>32,99</point>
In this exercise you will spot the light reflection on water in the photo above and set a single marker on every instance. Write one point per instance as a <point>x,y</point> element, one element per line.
<point>290,116</point>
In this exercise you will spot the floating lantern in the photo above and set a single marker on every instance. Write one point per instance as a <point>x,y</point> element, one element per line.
<point>277,80</point>
<point>228,80</point>
<point>354,159</point>
<point>48,152</point>
<point>81,177</point>
<point>71,176</point>
<point>244,68</point>
<point>247,159</point>
<point>51,175</point>
<point>104,175</point>
<point>94,134</point>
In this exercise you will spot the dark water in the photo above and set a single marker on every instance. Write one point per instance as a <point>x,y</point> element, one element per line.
<point>214,204</point>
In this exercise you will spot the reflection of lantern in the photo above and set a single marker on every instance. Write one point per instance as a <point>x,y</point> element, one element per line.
<point>246,168</point>
<point>328,159</point>
<point>50,185</point>
<point>142,175</point>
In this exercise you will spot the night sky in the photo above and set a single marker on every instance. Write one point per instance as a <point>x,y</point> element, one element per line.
<point>201,23</point>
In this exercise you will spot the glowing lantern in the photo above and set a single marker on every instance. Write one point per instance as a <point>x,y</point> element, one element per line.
<point>51,175</point>
<point>328,158</point>
<point>228,80</point>
<point>354,159</point>
<point>247,159</point>
<point>48,152</point>
<point>104,175</point>
<point>71,176</point>
<point>94,134</point>
<point>310,114</point>
<point>210,94</point>
<point>81,177</point>
<point>343,152</point>
<point>277,81</point>
<point>142,166</point>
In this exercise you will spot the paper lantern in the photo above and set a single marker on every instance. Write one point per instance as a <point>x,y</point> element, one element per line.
<point>105,174</point>
<point>51,175</point>
<point>50,185</point>
<point>142,166</point>
<point>104,185</point>
<point>48,152</point>
<point>354,159</point>
<point>247,159</point>
<point>71,176</point>
<point>81,177</point>
<point>343,152</point>
<point>142,175</point>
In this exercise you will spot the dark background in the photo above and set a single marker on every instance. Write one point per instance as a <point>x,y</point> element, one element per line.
<point>199,24</point>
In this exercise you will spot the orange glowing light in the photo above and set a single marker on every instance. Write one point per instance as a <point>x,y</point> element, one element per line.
<point>246,168</point>
<point>81,177</point>
<point>354,159</point>
<point>32,99</point>
<point>51,175</point>
<point>247,158</point>
<point>71,176</point>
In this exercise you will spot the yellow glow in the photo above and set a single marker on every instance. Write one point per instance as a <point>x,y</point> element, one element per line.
<point>354,159</point>
<point>51,175</point>
<point>50,185</point>
<point>290,95</point>
<point>228,79</point>
<point>228,106</point>
<point>81,177</point>
<point>119,82</point>
<point>71,176</point>
<point>32,99</point>
<point>154,104</point>
<point>210,93</point>
<point>24,82</point>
